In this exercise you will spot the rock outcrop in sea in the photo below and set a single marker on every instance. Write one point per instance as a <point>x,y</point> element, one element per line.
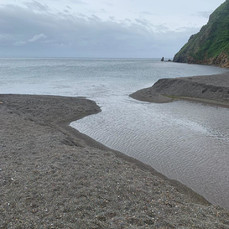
<point>211,45</point>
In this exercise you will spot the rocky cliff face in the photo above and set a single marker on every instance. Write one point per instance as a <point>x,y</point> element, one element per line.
<point>211,44</point>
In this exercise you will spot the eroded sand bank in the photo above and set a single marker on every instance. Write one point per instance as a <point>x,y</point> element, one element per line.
<point>212,89</point>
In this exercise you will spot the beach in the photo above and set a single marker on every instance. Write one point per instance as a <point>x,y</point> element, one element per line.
<point>52,176</point>
<point>212,89</point>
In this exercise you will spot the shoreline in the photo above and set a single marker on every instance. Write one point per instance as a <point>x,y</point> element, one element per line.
<point>209,89</point>
<point>53,176</point>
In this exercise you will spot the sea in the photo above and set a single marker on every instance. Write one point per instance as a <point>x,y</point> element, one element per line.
<point>185,141</point>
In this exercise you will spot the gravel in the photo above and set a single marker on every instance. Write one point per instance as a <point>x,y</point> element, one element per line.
<point>51,176</point>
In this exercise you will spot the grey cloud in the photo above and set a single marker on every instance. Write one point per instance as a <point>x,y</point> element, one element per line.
<point>103,10</point>
<point>34,5</point>
<point>146,13</point>
<point>37,37</point>
<point>30,33</point>
<point>78,1</point>
<point>19,43</point>
<point>143,22</point>
<point>68,7</point>
<point>161,28</point>
<point>4,37</point>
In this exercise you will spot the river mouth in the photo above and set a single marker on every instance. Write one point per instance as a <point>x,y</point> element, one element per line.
<point>185,141</point>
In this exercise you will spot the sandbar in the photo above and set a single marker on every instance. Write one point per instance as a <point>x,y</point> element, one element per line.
<point>211,89</point>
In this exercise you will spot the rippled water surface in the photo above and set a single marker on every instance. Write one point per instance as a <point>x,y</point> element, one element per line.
<point>183,140</point>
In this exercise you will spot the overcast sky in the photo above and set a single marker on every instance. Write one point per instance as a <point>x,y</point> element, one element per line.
<point>99,28</point>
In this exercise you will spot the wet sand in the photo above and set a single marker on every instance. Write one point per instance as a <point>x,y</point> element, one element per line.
<point>212,89</point>
<point>51,176</point>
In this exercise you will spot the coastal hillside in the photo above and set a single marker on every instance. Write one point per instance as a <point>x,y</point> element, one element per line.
<point>211,44</point>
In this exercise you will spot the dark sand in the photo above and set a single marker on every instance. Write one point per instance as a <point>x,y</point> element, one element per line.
<point>212,89</point>
<point>51,176</point>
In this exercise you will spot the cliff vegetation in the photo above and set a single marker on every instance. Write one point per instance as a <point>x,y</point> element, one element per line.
<point>211,44</point>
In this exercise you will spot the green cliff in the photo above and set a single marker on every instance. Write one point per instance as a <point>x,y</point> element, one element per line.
<point>211,44</point>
